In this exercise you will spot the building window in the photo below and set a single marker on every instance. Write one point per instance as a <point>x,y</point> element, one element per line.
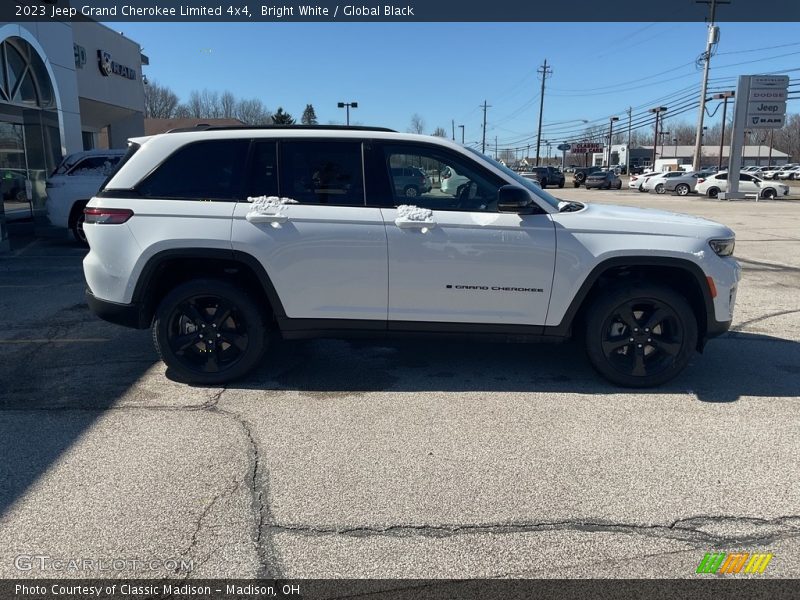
<point>23,76</point>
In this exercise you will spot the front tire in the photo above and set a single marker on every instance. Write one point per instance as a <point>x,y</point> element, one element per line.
<point>640,335</point>
<point>769,194</point>
<point>410,191</point>
<point>209,332</point>
<point>660,189</point>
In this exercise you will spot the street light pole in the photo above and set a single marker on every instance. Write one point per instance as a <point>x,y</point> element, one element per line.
<point>462,133</point>
<point>657,110</point>
<point>610,131</point>
<point>662,134</point>
<point>348,105</point>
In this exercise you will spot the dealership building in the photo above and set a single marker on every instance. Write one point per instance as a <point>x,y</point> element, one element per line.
<point>64,87</point>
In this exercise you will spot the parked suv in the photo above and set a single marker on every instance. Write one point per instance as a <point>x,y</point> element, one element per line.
<point>217,238</point>
<point>581,173</point>
<point>75,180</point>
<point>410,181</point>
<point>549,176</point>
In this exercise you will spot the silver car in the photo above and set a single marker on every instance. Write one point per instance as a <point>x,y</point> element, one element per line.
<point>685,183</point>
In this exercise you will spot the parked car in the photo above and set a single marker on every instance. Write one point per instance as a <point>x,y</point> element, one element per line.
<point>12,184</point>
<point>284,251</point>
<point>748,184</point>
<point>685,183</point>
<point>411,181</point>
<point>604,180</point>
<point>452,181</point>
<point>657,181</point>
<point>636,182</point>
<point>770,172</point>
<point>534,177</point>
<point>549,176</point>
<point>581,173</point>
<point>76,179</point>
<point>788,173</point>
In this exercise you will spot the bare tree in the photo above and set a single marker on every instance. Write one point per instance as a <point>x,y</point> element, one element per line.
<point>160,101</point>
<point>227,103</point>
<point>253,112</point>
<point>182,111</point>
<point>417,124</point>
<point>205,104</point>
<point>439,132</point>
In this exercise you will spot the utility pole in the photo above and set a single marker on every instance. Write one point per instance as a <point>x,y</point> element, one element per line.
<point>453,123</point>
<point>496,156</point>
<point>657,110</point>
<point>711,40</point>
<point>544,71</point>
<point>771,134</point>
<point>724,97</point>
<point>462,133</point>
<point>483,143</point>
<point>628,150</point>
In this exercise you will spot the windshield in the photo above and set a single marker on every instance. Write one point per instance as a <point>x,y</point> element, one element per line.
<point>526,183</point>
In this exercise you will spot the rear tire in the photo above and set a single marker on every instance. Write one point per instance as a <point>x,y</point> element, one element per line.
<point>209,332</point>
<point>661,324</point>
<point>712,192</point>
<point>682,189</point>
<point>76,220</point>
<point>561,183</point>
<point>410,191</point>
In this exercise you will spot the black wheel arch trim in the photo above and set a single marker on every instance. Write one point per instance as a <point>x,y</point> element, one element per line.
<point>712,326</point>
<point>140,292</point>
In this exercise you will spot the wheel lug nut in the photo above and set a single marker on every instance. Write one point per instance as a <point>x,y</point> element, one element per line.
<point>631,339</point>
<point>201,336</point>
<point>636,329</point>
<point>219,335</point>
<point>639,345</point>
<point>649,339</point>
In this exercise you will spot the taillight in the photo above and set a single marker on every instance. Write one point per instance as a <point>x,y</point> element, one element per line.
<point>701,180</point>
<point>634,178</point>
<point>107,216</point>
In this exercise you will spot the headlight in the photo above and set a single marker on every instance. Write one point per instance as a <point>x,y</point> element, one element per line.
<point>723,247</point>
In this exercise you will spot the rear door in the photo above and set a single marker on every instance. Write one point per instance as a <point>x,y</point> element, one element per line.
<point>452,257</point>
<point>323,248</point>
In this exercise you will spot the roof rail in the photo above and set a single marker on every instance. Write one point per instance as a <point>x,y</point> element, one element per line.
<point>206,127</point>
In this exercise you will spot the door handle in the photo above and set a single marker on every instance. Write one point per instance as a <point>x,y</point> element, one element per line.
<point>409,224</point>
<point>262,218</point>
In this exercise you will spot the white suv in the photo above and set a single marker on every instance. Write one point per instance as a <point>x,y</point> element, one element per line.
<point>73,183</point>
<point>216,237</point>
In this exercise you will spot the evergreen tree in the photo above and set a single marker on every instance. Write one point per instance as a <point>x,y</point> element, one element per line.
<point>309,116</point>
<point>282,118</point>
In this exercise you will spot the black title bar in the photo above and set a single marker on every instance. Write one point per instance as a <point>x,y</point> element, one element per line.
<point>401,11</point>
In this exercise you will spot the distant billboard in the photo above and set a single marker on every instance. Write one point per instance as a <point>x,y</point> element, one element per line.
<point>586,147</point>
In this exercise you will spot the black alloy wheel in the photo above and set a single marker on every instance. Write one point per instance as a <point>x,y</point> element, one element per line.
<point>641,336</point>
<point>208,331</point>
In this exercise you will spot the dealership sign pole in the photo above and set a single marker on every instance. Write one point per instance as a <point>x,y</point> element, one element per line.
<point>760,104</point>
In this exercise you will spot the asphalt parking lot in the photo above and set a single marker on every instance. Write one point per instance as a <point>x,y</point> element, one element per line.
<point>413,459</point>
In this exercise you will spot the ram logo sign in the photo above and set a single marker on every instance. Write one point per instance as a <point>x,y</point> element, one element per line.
<point>734,562</point>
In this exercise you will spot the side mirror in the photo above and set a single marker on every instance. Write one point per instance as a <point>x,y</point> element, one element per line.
<point>513,199</point>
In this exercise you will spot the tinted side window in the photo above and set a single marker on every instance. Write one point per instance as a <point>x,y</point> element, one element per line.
<point>321,172</point>
<point>263,170</point>
<point>202,170</point>
<point>457,184</point>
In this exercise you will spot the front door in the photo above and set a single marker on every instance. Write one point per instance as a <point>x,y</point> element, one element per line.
<point>452,257</point>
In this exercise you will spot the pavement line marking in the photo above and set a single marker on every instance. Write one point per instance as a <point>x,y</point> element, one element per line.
<point>57,341</point>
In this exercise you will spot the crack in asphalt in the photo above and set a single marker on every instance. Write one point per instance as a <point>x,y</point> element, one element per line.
<point>689,529</point>
<point>256,483</point>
